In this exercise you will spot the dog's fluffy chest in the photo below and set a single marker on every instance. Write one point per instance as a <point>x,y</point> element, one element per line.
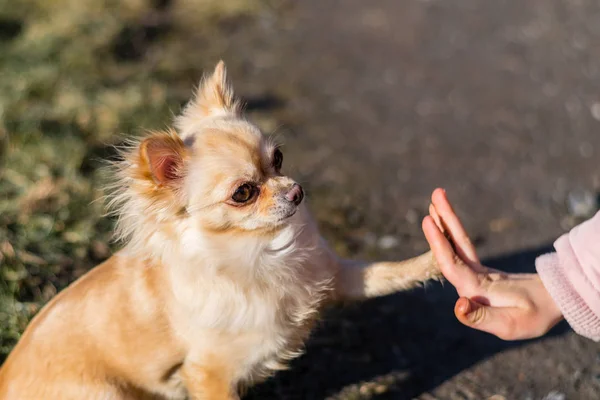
<point>257,310</point>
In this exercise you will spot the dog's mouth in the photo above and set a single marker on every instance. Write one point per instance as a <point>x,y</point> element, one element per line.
<point>288,214</point>
<point>292,213</point>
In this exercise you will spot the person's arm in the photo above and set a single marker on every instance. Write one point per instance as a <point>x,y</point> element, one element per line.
<point>572,277</point>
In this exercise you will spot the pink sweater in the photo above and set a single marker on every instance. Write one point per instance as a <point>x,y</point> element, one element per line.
<point>572,276</point>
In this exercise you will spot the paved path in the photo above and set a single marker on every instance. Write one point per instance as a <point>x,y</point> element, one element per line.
<point>380,102</point>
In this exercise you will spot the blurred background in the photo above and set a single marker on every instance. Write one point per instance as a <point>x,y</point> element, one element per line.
<point>377,103</point>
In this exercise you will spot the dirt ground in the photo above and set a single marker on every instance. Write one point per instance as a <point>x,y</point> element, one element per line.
<point>380,102</point>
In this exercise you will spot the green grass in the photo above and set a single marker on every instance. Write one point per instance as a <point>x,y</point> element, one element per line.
<point>76,74</point>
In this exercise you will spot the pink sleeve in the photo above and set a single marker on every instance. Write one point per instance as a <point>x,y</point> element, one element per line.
<point>572,276</point>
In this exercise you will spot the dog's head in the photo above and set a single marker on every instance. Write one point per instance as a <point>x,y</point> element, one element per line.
<point>216,172</point>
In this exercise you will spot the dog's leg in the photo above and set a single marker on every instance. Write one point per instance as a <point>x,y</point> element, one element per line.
<point>359,280</point>
<point>207,382</point>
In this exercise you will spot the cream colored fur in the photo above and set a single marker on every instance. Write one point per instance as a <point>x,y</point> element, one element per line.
<point>207,295</point>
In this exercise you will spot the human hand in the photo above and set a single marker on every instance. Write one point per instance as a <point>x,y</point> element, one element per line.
<point>510,306</point>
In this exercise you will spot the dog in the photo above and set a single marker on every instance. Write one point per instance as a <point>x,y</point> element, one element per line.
<point>221,278</point>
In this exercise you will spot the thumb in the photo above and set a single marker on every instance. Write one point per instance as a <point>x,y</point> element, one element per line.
<point>499,321</point>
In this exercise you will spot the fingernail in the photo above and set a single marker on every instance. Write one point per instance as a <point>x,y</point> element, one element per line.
<point>465,306</point>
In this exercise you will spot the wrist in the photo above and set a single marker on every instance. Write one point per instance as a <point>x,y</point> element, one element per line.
<point>547,305</point>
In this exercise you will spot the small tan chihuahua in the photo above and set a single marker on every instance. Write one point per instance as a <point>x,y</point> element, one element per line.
<point>220,281</point>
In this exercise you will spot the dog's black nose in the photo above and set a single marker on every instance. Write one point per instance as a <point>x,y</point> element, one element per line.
<point>295,195</point>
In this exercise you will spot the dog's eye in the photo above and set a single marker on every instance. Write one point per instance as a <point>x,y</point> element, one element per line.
<point>244,193</point>
<point>277,159</point>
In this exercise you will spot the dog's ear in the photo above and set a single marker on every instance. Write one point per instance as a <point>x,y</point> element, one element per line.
<point>162,157</point>
<point>149,185</point>
<point>214,97</point>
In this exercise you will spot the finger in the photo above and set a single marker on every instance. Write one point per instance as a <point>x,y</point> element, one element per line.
<point>498,321</point>
<point>438,221</point>
<point>436,218</point>
<point>459,274</point>
<point>454,227</point>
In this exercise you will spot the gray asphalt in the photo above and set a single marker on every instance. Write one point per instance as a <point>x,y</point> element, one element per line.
<point>380,102</point>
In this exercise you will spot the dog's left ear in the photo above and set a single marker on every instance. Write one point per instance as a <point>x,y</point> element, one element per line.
<point>214,97</point>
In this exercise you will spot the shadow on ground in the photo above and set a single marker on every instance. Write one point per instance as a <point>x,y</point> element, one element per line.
<point>396,347</point>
